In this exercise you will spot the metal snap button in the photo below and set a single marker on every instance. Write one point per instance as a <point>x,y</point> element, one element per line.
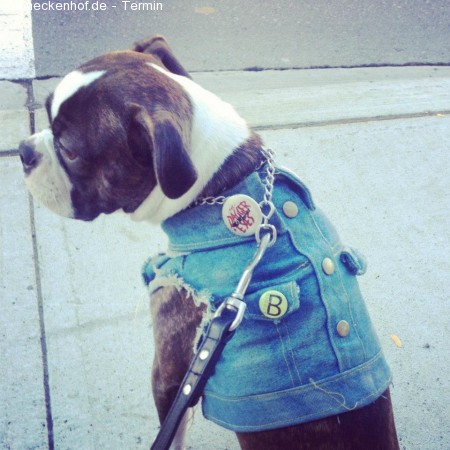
<point>290,209</point>
<point>273,304</point>
<point>343,328</point>
<point>328,266</point>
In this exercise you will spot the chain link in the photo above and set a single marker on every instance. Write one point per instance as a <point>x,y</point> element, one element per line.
<point>268,185</point>
<point>211,201</point>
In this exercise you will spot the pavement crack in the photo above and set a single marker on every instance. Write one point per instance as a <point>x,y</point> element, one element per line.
<point>31,106</point>
<point>325,123</point>
<point>43,338</point>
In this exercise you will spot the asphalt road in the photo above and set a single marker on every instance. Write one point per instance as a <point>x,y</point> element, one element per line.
<point>237,34</point>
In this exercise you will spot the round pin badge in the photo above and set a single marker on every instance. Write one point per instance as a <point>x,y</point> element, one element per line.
<point>273,304</point>
<point>241,214</point>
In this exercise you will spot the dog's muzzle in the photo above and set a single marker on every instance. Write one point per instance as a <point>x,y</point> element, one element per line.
<point>45,178</point>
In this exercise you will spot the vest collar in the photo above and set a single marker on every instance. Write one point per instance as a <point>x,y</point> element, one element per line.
<point>202,227</point>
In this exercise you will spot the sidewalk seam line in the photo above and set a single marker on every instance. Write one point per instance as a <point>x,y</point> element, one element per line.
<point>349,121</point>
<point>40,303</point>
<point>43,338</point>
<point>283,69</point>
<point>31,106</point>
<point>9,153</point>
<point>287,126</point>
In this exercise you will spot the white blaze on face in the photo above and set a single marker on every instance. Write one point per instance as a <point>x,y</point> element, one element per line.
<point>48,182</point>
<point>70,84</point>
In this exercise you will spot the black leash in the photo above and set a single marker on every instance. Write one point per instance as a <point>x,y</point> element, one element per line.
<point>197,375</point>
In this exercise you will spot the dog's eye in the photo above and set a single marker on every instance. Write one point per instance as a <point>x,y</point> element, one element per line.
<point>71,156</point>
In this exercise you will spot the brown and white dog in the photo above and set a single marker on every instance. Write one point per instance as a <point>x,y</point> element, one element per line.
<point>131,131</point>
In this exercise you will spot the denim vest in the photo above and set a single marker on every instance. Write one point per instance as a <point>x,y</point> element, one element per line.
<point>306,348</point>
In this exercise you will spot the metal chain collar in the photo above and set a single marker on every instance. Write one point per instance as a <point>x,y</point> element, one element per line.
<point>267,203</point>
<point>269,154</point>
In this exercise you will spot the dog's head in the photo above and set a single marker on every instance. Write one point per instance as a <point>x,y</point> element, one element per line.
<point>129,130</point>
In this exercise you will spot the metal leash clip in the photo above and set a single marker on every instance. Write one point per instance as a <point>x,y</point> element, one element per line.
<point>236,300</point>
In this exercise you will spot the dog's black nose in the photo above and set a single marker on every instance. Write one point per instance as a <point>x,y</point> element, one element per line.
<point>28,156</point>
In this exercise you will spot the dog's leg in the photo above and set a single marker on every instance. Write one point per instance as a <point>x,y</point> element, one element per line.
<point>176,319</point>
<point>370,427</point>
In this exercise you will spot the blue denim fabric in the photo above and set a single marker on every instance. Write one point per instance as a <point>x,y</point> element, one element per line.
<point>282,371</point>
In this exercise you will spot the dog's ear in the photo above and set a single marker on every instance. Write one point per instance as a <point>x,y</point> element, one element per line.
<point>159,48</point>
<point>160,140</point>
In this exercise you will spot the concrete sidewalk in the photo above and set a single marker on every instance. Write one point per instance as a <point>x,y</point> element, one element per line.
<point>75,348</point>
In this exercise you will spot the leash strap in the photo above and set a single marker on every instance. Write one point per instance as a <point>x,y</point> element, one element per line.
<point>201,368</point>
